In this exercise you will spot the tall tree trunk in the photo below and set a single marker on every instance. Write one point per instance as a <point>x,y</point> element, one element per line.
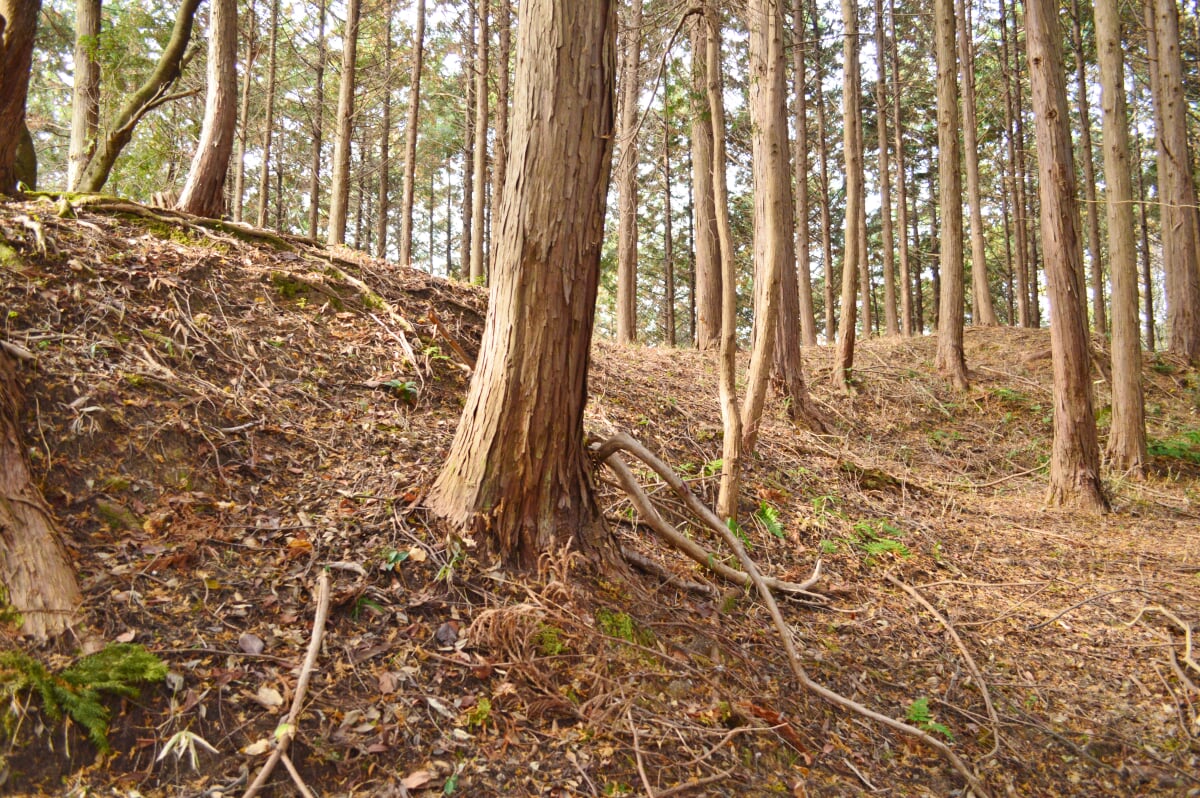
<point>503,61</point>
<point>1099,320</point>
<point>479,180</point>
<point>731,442</point>
<point>853,152</point>
<point>668,243</point>
<point>150,95</point>
<point>950,359</point>
<point>410,143</point>
<point>85,96</point>
<point>318,130</point>
<point>704,212</point>
<point>34,570</point>
<point>981,293</point>
<point>1016,157</point>
<point>823,159</point>
<point>808,322</point>
<point>383,205</point>
<point>17,32</point>
<point>339,192</point>
<point>468,199</point>
<point>627,195</point>
<point>1147,277</point>
<point>517,472</point>
<point>204,191</point>
<point>1180,256</point>
<point>243,123</point>
<point>891,319</point>
<point>1127,434</point>
<point>906,314</point>
<point>1075,454</point>
<point>264,180</point>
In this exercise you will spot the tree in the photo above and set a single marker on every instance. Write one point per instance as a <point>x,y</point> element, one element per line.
<point>339,192</point>
<point>1127,434</point>
<point>479,179</point>
<point>243,124</point>
<point>385,139</point>
<point>318,130</point>
<point>204,191</point>
<point>950,359</point>
<point>18,23</point>
<point>981,295</point>
<point>627,195</point>
<point>1016,159</point>
<point>1075,455</point>
<point>891,322</point>
<point>853,153</point>
<point>704,211</point>
<point>503,63</point>
<point>1091,207</point>
<point>85,99</point>
<point>410,140</point>
<point>264,181</point>
<point>517,471</point>
<point>906,314</point>
<point>808,322</point>
<point>150,95</point>
<point>823,159</point>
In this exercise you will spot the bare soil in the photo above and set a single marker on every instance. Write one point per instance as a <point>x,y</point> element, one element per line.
<point>216,416</point>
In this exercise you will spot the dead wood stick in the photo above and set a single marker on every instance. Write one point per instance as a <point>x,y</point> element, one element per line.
<point>287,730</point>
<point>299,782</point>
<point>971,666</point>
<point>455,347</point>
<point>623,441</point>
<point>637,753</point>
<point>644,563</point>
<point>691,785</point>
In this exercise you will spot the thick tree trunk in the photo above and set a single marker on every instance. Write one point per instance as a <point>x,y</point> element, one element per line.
<point>906,313</point>
<point>85,96</point>
<point>1091,207</point>
<point>149,96</point>
<point>479,179</point>
<point>318,130</point>
<point>808,322</point>
<point>339,192</point>
<point>853,152</point>
<point>18,25</point>
<point>981,294</point>
<point>204,191</point>
<point>890,316</point>
<point>517,473</point>
<point>950,361</point>
<point>243,123</point>
<point>1127,434</point>
<point>1181,257</point>
<point>627,163</point>
<point>34,570</point>
<point>704,212</point>
<point>1075,455</point>
<point>264,179</point>
<point>502,63</point>
<point>410,143</point>
<point>1016,160</point>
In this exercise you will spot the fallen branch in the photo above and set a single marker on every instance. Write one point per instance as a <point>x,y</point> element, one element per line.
<point>971,666</point>
<point>287,730</point>
<point>621,441</point>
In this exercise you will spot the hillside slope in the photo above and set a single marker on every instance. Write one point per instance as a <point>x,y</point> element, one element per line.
<point>217,416</point>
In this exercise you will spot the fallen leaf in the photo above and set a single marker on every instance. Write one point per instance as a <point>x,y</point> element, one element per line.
<point>417,554</point>
<point>269,697</point>
<point>126,636</point>
<point>251,643</point>
<point>417,779</point>
<point>258,747</point>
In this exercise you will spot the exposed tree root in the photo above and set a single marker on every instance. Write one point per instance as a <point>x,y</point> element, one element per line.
<point>606,453</point>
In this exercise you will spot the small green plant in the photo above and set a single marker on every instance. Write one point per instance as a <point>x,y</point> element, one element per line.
<point>434,352</point>
<point>480,714</point>
<point>457,555</point>
<point>919,715</point>
<point>1185,446</point>
<point>615,624</point>
<point>78,691</point>
<point>549,641</point>
<point>770,519</point>
<point>404,390</point>
<point>364,603</point>
<point>738,533</point>
<point>393,558</point>
<point>877,537</point>
<point>828,546</point>
<point>713,467</point>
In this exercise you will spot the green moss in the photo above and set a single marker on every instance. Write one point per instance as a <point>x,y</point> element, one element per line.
<point>116,516</point>
<point>621,625</point>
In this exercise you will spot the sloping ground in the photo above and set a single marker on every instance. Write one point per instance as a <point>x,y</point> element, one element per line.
<point>215,420</point>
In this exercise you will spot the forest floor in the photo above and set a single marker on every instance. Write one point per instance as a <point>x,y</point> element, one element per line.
<point>217,418</point>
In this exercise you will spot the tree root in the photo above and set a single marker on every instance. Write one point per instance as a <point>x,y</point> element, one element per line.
<point>606,453</point>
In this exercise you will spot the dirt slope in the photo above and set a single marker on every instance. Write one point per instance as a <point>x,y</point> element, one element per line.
<point>217,416</point>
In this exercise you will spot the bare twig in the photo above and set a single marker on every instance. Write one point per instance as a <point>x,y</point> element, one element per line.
<point>287,730</point>
<point>637,753</point>
<point>679,789</point>
<point>1079,604</point>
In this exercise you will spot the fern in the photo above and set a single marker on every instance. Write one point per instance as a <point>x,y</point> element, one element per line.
<point>920,716</point>
<point>78,691</point>
<point>770,518</point>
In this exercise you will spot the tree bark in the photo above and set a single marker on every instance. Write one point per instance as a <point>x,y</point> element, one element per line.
<point>1127,433</point>
<point>410,142</point>
<point>984,313</point>
<point>85,96</point>
<point>1016,159</point>
<point>823,158</point>
<point>479,180</point>
<point>906,313</point>
<point>503,61</point>
<point>668,243</point>
<point>1075,455</point>
<point>383,204</point>
<point>318,113</point>
<point>517,473</point>
<point>1177,189</point>
<point>808,322</point>
<point>150,95</point>
<point>264,180</point>
<point>890,316</point>
<point>243,123</point>
<point>627,195</point>
<point>707,242</point>
<point>853,152</point>
<point>950,360</point>
<point>339,192</point>
<point>203,192</point>
<point>468,199</point>
<point>38,579</point>
<point>18,26</point>
<point>1099,320</point>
